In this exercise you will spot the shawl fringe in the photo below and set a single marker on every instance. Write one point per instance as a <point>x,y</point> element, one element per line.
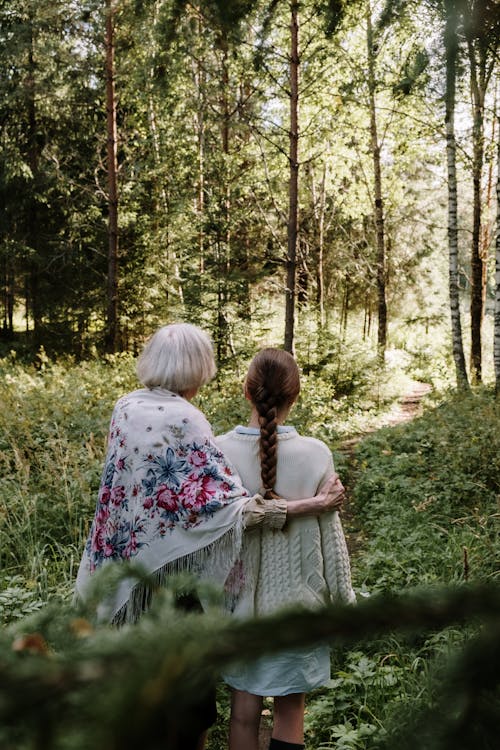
<point>206,563</point>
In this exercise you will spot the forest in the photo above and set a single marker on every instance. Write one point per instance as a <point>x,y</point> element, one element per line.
<point>321,176</point>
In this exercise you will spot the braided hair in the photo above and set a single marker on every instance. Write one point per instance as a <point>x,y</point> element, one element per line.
<point>272,384</point>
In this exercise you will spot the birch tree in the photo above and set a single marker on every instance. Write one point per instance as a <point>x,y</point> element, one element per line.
<point>293,189</point>
<point>496,334</point>
<point>481,33</point>
<point>451,55</point>
<point>448,11</point>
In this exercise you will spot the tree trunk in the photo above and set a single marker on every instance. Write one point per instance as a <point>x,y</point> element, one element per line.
<point>293,221</point>
<point>345,310</point>
<point>379,204</point>
<point>224,234</point>
<point>478,83</point>
<point>367,320</point>
<point>199,81</point>
<point>32,223</point>
<point>5,287</point>
<point>496,344</point>
<point>9,300</point>
<point>319,215</point>
<point>170,253</point>
<point>241,244</point>
<point>111,339</point>
<point>451,48</point>
<point>171,261</point>
<point>26,304</point>
<point>302,276</point>
<point>487,226</point>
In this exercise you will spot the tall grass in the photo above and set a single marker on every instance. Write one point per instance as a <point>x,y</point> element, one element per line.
<point>53,426</point>
<point>52,431</point>
<point>426,504</point>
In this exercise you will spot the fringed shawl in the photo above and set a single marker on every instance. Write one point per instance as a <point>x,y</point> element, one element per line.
<point>168,500</point>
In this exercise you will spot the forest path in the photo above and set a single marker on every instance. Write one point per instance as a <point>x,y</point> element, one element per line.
<point>406,408</point>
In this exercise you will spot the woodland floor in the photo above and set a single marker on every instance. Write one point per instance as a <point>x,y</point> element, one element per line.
<point>407,408</point>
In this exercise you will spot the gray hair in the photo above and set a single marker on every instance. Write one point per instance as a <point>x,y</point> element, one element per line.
<point>178,357</point>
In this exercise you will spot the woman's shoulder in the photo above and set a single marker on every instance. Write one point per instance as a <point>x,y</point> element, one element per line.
<point>161,406</point>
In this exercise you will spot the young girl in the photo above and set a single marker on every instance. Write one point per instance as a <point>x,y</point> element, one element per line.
<point>306,562</point>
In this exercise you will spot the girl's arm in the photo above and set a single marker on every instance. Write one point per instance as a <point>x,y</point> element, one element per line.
<point>274,512</point>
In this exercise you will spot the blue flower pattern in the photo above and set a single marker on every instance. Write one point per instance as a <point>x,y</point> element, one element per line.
<point>143,495</point>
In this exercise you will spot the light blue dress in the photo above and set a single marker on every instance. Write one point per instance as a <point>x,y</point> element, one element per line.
<point>282,673</point>
<point>285,672</point>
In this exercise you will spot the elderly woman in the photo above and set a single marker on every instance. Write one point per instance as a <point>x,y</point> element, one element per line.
<point>168,498</point>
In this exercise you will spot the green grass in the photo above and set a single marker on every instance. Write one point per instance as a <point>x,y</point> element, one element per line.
<point>52,434</point>
<point>53,429</point>
<point>425,507</point>
<point>426,496</point>
<point>426,503</point>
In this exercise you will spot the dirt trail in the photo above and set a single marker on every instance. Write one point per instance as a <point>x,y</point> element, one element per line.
<point>407,408</point>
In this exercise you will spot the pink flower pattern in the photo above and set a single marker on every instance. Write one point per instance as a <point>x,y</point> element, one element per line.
<point>143,497</point>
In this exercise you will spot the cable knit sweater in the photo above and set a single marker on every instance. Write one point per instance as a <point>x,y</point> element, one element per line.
<point>306,562</point>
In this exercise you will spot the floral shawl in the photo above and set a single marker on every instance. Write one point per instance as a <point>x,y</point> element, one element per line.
<point>168,499</point>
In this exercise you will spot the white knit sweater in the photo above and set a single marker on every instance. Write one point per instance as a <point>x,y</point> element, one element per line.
<point>307,562</point>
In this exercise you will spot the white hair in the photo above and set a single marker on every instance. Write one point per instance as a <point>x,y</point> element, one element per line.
<point>178,357</point>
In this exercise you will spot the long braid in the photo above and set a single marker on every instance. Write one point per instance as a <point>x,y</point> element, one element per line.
<point>272,383</point>
<point>268,422</point>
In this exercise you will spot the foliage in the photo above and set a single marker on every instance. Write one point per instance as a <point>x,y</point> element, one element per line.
<point>422,493</point>
<point>427,494</point>
<point>203,169</point>
<point>425,510</point>
<point>52,432</point>
<point>52,220</point>
<point>52,441</point>
<point>17,600</point>
<point>73,676</point>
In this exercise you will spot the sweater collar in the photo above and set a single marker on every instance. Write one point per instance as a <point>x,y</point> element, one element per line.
<point>283,429</point>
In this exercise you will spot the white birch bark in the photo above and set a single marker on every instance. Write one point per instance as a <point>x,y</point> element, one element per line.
<point>112,175</point>
<point>456,325</point>
<point>496,342</point>
<point>377,186</point>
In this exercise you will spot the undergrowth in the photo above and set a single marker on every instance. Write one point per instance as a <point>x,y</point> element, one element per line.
<point>52,432</point>
<point>426,508</point>
<point>53,428</point>
<point>427,497</point>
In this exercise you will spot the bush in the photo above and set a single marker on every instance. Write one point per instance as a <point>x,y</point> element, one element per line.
<point>427,497</point>
<point>425,507</point>
<point>52,441</point>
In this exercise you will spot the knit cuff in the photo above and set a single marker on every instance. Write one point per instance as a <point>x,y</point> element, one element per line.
<point>275,517</point>
<point>269,513</point>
